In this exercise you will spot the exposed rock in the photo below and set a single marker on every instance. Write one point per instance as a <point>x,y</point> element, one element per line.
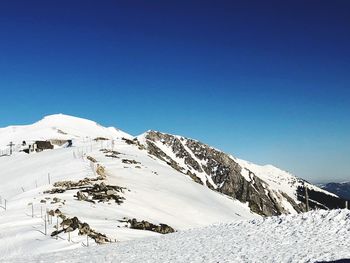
<point>81,196</point>
<point>110,153</point>
<point>130,161</point>
<point>55,191</point>
<point>61,132</point>
<point>100,170</point>
<point>72,224</point>
<point>92,159</point>
<point>100,139</point>
<point>134,142</point>
<point>101,193</point>
<point>145,225</point>
<point>194,177</point>
<point>69,185</point>
<point>176,146</point>
<point>157,152</point>
<point>224,172</point>
<point>55,200</point>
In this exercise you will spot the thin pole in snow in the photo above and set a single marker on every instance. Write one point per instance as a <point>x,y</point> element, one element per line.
<point>57,227</point>
<point>346,204</point>
<point>45,226</point>
<point>32,210</point>
<point>307,199</point>
<point>48,177</point>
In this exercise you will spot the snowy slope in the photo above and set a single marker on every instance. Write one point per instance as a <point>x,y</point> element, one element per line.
<point>311,237</point>
<point>279,179</point>
<point>154,191</point>
<point>57,126</point>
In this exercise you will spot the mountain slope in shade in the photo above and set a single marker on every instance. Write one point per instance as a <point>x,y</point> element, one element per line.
<point>340,189</point>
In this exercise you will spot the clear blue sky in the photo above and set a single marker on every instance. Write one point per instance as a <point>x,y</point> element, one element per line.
<point>268,81</point>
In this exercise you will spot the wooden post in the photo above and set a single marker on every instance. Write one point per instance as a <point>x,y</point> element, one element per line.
<point>57,228</point>
<point>68,236</point>
<point>48,177</point>
<point>346,204</point>
<point>45,226</point>
<point>87,240</point>
<point>307,199</point>
<point>5,204</point>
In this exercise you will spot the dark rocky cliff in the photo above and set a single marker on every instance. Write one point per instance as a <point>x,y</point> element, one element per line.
<point>222,173</point>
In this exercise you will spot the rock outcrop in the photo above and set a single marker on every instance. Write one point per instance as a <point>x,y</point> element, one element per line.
<point>222,173</point>
<point>72,224</point>
<point>145,225</point>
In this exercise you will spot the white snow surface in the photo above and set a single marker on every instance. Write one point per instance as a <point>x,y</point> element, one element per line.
<point>310,237</point>
<point>57,126</point>
<point>155,191</point>
<point>278,179</point>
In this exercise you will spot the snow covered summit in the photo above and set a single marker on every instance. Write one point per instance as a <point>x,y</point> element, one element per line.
<point>57,126</point>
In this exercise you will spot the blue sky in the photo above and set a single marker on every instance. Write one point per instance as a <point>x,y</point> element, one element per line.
<point>267,81</point>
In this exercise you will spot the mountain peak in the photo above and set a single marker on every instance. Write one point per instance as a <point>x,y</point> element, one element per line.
<point>58,126</point>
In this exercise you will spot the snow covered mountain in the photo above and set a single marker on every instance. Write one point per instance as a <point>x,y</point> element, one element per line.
<point>267,189</point>
<point>110,186</point>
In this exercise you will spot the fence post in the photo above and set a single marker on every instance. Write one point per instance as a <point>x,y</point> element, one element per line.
<point>5,204</point>
<point>346,204</point>
<point>57,227</point>
<point>87,240</point>
<point>307,199</point>
<point>45,226</point>
<point>48,177</point>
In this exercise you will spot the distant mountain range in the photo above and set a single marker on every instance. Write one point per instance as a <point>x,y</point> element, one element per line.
<point>340,189</point>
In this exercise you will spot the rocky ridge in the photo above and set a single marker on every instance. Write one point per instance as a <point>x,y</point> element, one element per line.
<point>223,173</point>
